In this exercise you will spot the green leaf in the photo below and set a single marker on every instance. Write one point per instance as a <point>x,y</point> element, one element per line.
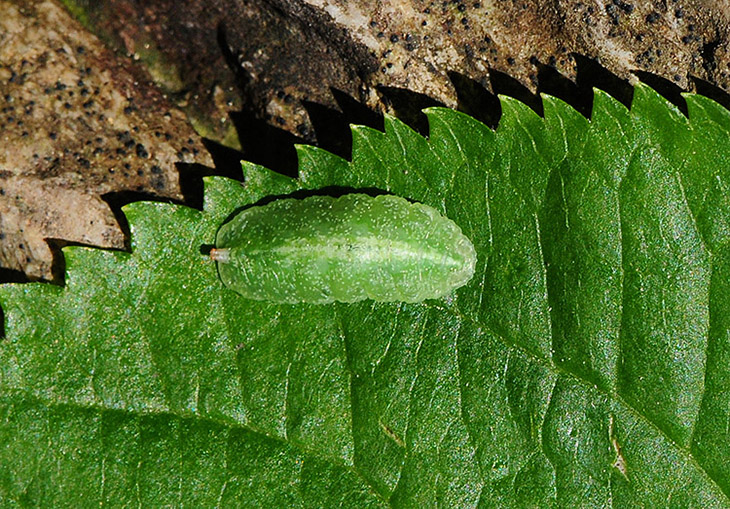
<point>587,364</point>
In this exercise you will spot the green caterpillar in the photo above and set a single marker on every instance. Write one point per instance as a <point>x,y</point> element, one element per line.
<point>323,249</point>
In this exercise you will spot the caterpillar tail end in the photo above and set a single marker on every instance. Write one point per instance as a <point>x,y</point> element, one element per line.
<point>220,255</point>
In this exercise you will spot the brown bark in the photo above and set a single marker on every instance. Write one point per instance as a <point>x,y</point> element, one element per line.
<point>285,55</point>
<point>76,123</point>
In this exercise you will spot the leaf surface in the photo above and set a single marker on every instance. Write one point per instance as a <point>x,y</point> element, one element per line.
<point>586,364</point>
